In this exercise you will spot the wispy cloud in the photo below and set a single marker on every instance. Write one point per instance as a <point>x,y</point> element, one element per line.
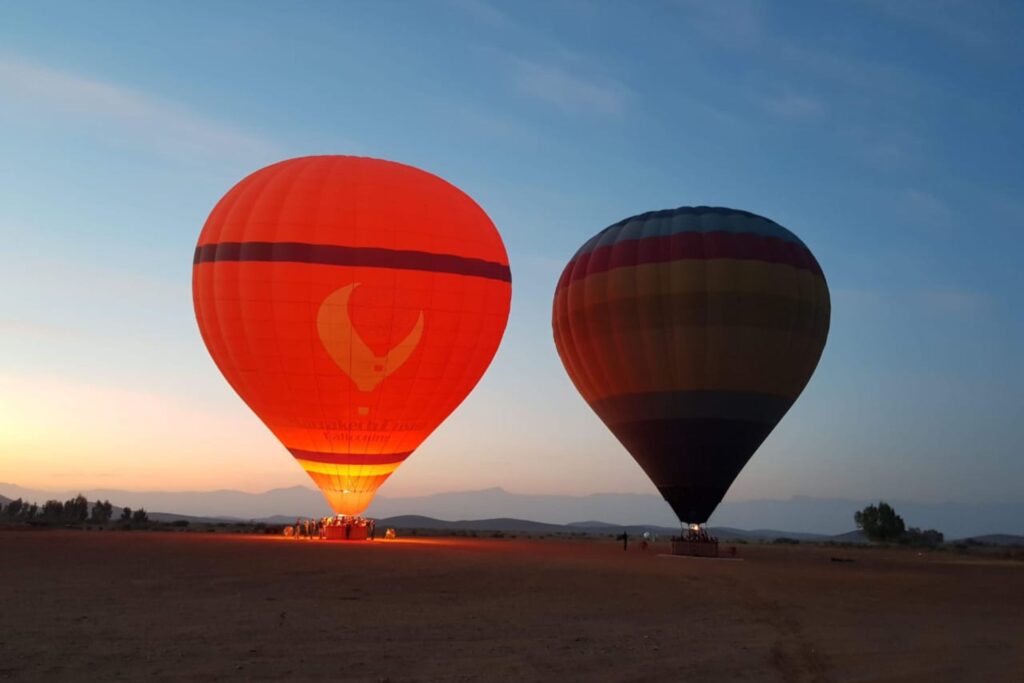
<point>28,329</point>
<point>126,115</point>
<point>794,107</point>
<point>738,24</point>
<point>483,12</point>
<point>954,301</point>
<point>570,91</point>
<point>987,29</point>
<point>926,210</point>
<point>886,149</point>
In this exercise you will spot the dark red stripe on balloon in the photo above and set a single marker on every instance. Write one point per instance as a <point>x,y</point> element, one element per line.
<point>690,246</point>
<point>337,255</point>
<point>350,458</point>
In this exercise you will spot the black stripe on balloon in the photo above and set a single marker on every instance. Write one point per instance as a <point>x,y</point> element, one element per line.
<point>338,255</point>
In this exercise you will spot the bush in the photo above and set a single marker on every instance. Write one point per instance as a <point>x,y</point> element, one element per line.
<point>929,538</point>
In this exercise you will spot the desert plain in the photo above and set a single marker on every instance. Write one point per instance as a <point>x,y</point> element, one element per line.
<point>114,606</point>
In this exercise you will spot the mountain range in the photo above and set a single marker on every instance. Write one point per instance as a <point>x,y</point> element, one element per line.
<point>798,515</point>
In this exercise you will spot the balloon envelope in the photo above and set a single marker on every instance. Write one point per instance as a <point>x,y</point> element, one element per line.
<point>352,303</point>
<point>691,332</point>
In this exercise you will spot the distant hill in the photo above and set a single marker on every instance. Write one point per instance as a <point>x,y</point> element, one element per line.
<point>997,539</point>
<point>4,501</point>
<point>592,528</point>
<point>855,536</point>
<point>800,515</point>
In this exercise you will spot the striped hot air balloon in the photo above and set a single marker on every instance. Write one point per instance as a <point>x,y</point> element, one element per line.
<point>352,303</point>
<point>691,332</point>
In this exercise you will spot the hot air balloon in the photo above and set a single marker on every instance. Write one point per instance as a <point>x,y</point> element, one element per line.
<point>352,303</point>
<point>691,332</point>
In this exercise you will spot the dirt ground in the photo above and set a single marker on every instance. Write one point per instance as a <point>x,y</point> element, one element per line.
<point>106,606</point>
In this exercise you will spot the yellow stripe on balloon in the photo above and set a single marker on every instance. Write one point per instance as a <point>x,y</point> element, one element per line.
<point>355,471</point>
<point>699,275</point>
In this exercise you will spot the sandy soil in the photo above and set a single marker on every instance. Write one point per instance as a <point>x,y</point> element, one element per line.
<point>175,606</point>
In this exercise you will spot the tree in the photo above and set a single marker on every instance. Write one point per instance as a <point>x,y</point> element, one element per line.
<point>140,515</point>
<point>14,509</point>
<point>880,522</point>
<point>126,515</point>
<point>76,509</point>
<point>101,512</point>
<point>53,511</point>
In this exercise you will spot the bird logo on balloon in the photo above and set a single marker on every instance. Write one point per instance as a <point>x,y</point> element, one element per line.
<point>348,350</point>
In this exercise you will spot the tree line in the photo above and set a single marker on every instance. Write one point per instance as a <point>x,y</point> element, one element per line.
<point>77,510</point>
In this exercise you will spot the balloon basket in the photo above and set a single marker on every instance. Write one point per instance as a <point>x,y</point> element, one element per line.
<point>686,548</point>
<point>353,532</point>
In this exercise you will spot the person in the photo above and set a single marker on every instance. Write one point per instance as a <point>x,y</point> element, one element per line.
<point>625,540</point>
<point>297,527</point>
<point>373,528</point>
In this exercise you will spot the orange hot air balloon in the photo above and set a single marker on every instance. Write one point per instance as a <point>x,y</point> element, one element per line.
<point>352,303</point>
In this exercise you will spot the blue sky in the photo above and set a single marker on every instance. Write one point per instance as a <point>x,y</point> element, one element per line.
<point>887,135</point>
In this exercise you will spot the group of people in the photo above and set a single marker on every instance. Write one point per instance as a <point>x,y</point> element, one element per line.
<point>700,535</point>
<point>338,527</point>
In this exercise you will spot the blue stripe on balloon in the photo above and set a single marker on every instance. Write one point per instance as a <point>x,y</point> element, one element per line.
<point>702,219</point>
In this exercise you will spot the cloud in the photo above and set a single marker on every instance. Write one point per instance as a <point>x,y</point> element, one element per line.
<point>794,107</point>
<point>736,24</point>
<point>955,301</point>
<point>483,12</point>
<point>926,210</point>
<point>123,114</point>
<point>984,29</point>
<point>568,91</point>
<point>31,330</point>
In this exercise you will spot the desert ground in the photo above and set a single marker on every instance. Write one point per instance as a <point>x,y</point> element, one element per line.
<point>109,606</point>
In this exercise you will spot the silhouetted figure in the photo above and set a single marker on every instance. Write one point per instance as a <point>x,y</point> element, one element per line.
<point>625,540</point>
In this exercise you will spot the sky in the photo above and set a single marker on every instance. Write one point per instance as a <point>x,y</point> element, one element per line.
<point>887,135</point>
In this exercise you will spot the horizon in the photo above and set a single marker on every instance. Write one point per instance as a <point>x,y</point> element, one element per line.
<point>883,137</point>
<point>797,514</point>
<point>652,493</point>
